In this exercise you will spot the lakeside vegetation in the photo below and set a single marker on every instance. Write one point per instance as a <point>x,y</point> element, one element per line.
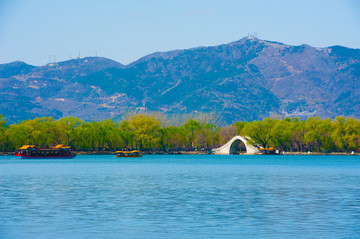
<point>154,133</point>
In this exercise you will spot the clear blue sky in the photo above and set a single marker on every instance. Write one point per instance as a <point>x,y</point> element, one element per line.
<point>31,30</point>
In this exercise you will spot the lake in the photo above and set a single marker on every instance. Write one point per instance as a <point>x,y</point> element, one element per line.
<point>181,196</point>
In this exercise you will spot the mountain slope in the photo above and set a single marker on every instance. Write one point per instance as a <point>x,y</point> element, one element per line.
<point>244,80</point>
<point>310,81</point>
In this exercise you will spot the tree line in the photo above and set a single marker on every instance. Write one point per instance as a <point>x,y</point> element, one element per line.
<point>154,133</point>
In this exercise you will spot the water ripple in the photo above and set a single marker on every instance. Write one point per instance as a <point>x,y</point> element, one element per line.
<point>167,197</point>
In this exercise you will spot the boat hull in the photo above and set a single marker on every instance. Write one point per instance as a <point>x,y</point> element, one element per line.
<point>128,156</point>
<point>44,157</point>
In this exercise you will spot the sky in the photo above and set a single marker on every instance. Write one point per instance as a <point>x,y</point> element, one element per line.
<point>42,31</point>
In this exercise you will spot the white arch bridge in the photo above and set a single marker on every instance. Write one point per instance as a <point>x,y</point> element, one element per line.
<point>232,147</point>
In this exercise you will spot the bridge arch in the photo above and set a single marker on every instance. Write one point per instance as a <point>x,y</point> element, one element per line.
<point>236,146</point>
<point>231,146</point>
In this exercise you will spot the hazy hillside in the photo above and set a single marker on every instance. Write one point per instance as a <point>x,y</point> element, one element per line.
<point>245,80</point>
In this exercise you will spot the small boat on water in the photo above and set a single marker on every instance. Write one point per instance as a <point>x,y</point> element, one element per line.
<point>124,154</point>
<point>270,150</point>
<point>60,151</point>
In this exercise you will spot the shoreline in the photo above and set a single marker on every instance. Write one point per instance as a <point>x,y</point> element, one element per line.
<point>198,153</point>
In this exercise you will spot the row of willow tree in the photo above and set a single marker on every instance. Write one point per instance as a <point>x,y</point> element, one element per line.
<point>151,133</point>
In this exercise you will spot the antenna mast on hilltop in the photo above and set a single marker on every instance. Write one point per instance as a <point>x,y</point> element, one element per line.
<point>252,36</point>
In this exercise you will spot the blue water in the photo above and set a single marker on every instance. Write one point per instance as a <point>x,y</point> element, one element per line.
<point>179,196</point>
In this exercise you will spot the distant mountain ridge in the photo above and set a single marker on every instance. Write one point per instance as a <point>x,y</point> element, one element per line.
<point>246,80</point>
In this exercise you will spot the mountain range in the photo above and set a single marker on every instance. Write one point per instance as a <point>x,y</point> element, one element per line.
<point>244,80</point>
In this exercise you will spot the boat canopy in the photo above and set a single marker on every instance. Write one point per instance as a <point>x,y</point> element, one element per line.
<point>29,147</point>
<point>127,152</point>
<point>268,149</point>
<point>61,146</point>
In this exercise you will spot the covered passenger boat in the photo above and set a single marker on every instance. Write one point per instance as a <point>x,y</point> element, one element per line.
<point>270,150</point>
<point>134,153</point>
<point>60,151</point>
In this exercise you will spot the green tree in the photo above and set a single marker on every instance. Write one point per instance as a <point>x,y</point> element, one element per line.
<point>127,135</point>
<point>346,130</point>
<point>113,138</point>
<point>207,136</point>
<point>297,140</point>
<point>146,129</point>
<point>96,135</point>
<point>172,138</point>
<point>240,125</point>
<point>259,132</point>
<point>67,129</point>
<point>191,128</point>
<point>281,134</point>
<point>318,134</point>
<point>85,140</point>
<point>39,131</point>
<point>4,142</point>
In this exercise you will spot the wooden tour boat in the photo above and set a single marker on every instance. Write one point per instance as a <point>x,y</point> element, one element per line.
<point>270,150</point>
<point>60,151</point>
<point>134,153</point>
